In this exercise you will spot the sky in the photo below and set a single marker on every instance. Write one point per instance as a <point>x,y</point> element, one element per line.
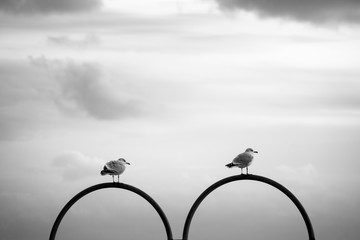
<point>178,88</point>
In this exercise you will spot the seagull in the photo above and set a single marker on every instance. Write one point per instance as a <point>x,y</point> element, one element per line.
<point>243,160</point>
<point>115,167</point>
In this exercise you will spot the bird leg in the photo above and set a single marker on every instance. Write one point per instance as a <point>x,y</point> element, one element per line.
<point>118,178</point>
<point>113,178</point>
<point>241,171</point>
<point>247,170</point>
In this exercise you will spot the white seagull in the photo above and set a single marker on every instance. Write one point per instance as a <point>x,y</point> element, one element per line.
<point>243,160</point>
<point>115,167</point>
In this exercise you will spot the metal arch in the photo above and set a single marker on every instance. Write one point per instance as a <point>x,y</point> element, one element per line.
<point>111,185</point>
<point>254,178</point>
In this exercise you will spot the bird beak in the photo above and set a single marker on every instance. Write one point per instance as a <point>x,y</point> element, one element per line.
<point>127,163</point>
<point>255,151</point>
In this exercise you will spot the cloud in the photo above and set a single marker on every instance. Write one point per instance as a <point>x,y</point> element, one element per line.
<point>320,11</point>
<point>44,94</point>
<point>24,107</point>
<point>305,179</point>
<point>48,6</point>
<point>80,43</point>
<point>300,172</point>
<point>75,165</point>
<point>82,89</point>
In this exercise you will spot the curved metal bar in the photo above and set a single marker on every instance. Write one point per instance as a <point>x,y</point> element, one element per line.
<point>254,178</point>
<point>111,185</point>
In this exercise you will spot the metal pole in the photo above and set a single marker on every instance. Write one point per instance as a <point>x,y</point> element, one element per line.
<point>110,185</point>
<point>254,178</point>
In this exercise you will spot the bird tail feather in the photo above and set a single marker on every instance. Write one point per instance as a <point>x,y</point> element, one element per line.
<point>230,165</point>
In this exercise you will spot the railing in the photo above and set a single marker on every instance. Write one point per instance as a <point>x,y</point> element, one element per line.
<point>193,208</point>
<point>111,185</point>
<point>254,178</point>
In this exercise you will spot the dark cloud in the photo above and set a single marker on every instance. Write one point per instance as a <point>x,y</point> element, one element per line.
<point>48,6</point>
<point>315,11</point>
<point>36,97</point>
<point>83,89</point>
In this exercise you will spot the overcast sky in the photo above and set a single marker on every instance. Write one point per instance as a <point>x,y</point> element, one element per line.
<point>178,88</point>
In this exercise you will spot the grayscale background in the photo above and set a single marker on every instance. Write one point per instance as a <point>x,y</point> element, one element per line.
<point>178,88</point>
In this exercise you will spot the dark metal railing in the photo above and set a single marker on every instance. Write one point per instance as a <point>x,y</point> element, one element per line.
<point>193,208</point>
<point>111,185</point>
<point>254,178</point>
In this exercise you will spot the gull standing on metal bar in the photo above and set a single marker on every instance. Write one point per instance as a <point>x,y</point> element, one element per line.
<point>115,167</point>
<point>243,160</point>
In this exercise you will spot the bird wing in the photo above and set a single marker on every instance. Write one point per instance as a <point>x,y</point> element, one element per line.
<point>112,165</point>
<point>115,166</point>
<point>243,159</point>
